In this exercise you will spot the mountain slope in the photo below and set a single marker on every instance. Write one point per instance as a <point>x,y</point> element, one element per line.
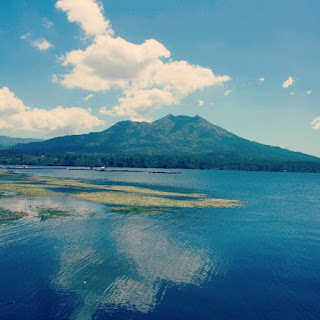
<point>6,142</point>
<point>169,135</point>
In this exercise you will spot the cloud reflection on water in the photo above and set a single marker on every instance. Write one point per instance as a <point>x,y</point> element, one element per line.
<point>160,260</point>
<point>149,255</point>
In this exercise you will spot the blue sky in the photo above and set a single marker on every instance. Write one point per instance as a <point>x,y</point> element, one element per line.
<point>206,58</point>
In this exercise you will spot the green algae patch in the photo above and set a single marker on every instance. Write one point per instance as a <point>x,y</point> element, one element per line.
<point>47,214</point>
<point>7,216</point>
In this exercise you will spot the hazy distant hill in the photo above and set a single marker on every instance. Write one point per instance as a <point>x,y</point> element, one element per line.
<point>169,135</point>
<point>6,142</point>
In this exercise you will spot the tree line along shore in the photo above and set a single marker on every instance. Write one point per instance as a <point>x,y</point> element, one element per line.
<point>174,161</point>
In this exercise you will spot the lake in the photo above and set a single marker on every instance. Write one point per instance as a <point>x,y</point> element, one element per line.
<point>260,260</point>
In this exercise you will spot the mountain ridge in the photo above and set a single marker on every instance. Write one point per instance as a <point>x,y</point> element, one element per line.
<point>168,135</point>
<point>6,141</point>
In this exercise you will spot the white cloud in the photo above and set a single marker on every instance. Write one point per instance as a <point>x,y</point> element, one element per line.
<point>9,103</point>
<point>201,103</point>
<point>292,93</point>
<point>137,103</point>
<point>289,82</point>
<point>228,92</point>
<point>111,62</point>
<point>104,111</point>
<point>58,121</point>
<point>316,123</point>
<point>147,81</point>
<point>42,44</point>
<point>261,80</point>
<point>308,92</point>
<point>25,36</point>
<point>88,13</point>
<point>88,97</point>
<point>175,79</point>
<point>47,23</point>
<point>144,72</point>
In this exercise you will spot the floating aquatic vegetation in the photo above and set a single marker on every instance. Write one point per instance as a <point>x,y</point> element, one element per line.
<point>7,216</point>
<point>46,214</point>
<point>133,189</point>
<point>119,195</point>
<point>74,183</point>
<point>132,199</point>
<point>134,210</point>
<point>29,190</point>
<point>6,194</point>
<point>67,183</point>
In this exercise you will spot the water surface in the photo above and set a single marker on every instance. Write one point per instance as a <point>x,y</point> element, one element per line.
<point>258,261</point>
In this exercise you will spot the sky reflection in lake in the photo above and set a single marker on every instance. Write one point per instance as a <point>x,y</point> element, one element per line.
<point>148,257</point>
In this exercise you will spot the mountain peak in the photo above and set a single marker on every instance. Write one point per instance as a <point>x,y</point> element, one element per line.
<point>181,118</point>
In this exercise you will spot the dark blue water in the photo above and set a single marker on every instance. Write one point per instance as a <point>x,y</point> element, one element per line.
<point>259,261</point>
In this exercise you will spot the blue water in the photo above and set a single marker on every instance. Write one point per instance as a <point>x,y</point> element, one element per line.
<point>259,261</point>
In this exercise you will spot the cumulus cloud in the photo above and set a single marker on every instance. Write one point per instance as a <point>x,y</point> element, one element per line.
<point>9,103</point>
<point>292,93</point>
<point>88,97</point>
<point>42,44</point>
<point>201,103</point>
<point>289,82</point>
<point>136,103</point>
<point>308,92</point>
<point>87,13</point>
<point>111,62</point>
<point>260,80</point>
<point>316,123</point>
<point>15,115</point>
<point>228,92</point>
<point>144,72</point>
